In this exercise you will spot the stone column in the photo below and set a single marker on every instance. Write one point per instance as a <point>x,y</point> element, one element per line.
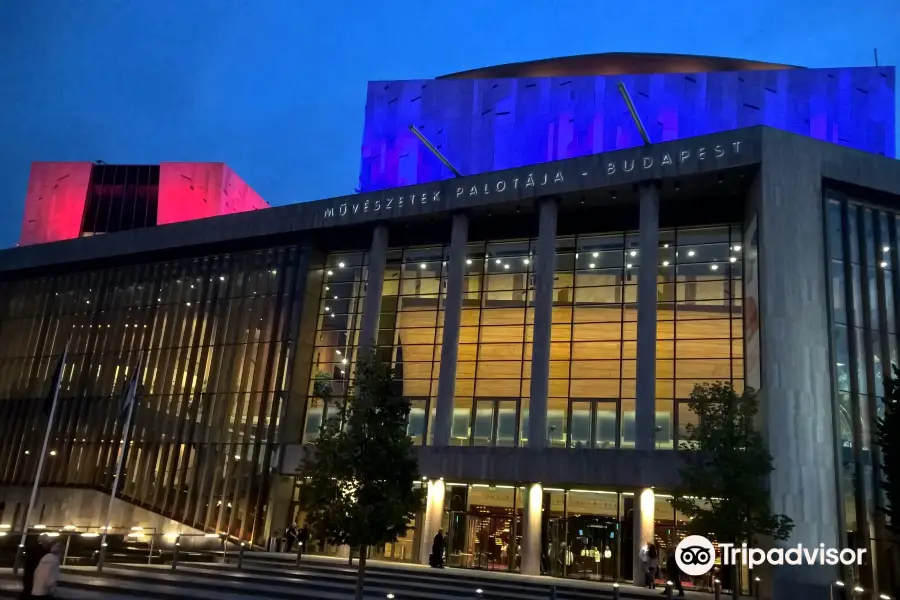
<point>648,259</point>
<point>433,517</point>
<point>545,266</point>
<point>644,515</point>
<point>531,530</point>
<point>374,286</point>
<point>456,272</point>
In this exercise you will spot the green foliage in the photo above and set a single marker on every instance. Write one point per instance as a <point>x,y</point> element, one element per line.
<point>888,435</point>
<point>723,486</point>
<point>359,477</point>
<point>322,387</point>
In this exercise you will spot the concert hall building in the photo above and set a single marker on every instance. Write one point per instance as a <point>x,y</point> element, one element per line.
<point>548,297</point>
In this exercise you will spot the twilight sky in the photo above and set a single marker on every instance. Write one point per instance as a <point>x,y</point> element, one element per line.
<point>276,88</point>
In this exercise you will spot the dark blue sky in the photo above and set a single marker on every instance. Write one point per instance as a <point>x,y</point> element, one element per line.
<point>276,88</point>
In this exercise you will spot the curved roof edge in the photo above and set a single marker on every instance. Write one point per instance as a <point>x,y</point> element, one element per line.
<point>617,63</point>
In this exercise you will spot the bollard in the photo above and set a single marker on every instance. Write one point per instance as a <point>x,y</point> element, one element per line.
<point>20,555</point>
<point>669,586</point>
<point>837,584</point>
<point>299,552</point>
<point>241,556</point>
<point>175,552</point>
<point>615,591</point>
<point>717,589</point>
<point>757,589</point>
<point>478,593</point>
<point>552,592</point>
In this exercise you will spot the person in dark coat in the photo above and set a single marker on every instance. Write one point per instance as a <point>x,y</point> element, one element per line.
<point>674,573</point>
<point>437,550</point>
<point>302,540</point>
<point>33,555</point>
<point>291,535</point>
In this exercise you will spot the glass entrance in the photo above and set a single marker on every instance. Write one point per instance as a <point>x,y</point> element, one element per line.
<point>483,541</point>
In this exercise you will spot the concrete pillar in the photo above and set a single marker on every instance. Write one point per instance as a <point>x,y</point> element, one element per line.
<point>531,530</point>
<point>648,259</point>
<point>544,268</point>
<point>432,519</point>
<point>794,360</point>
<point>644,521</point>
<point>374,286</point>
<point>456,272</point>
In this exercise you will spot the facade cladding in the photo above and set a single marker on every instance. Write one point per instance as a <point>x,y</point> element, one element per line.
<point>483,125</point>
<point>217,333</point>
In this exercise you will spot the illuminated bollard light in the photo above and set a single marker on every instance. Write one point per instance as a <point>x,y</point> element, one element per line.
<point>757,589</point>
<point>478,593</point>
<point>615,591</point>
<point>717,589</point>
<point>241,556</point>
<point>390,597</point>
<point>836,585</point>
<point>669,586</point>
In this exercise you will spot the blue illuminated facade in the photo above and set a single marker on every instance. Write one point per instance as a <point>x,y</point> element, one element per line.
<point>484,125</point>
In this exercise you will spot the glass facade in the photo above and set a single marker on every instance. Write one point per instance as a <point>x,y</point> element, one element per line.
<point>862,252</point>
<point>591,399</point>
<point>217,334</point>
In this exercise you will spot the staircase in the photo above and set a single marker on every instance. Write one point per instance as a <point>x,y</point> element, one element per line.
<point>276,576</point>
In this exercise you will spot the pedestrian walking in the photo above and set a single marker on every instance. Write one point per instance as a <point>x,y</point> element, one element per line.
<point>46,576</point>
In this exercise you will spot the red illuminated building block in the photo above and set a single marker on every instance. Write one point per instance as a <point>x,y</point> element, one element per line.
<point>66,200</point>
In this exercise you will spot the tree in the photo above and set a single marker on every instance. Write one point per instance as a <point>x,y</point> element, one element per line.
<point>727,467</point>
<point>360,473</point>
<point>888,435</point>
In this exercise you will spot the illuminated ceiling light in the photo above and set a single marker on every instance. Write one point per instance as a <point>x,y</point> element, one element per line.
<point>886,249</point>
<point>596,254</point>
<point>468,261</point>
<point>737,248</point>
<point>633,253</point>
<point>332,314</point>
<point>338,351</point>
<point>327,309</point>
<point>498,261</point>
<point>335,297</point>
<point>221,278</point>
<point>53,453</point>
<point>691,253</point>
<point>192,286</point>
<point>714,267</point>
<point>341,265</point>
<point>628,266</point>
<point>188,303</point>
<point>506,266</point>
<point>665,263</point>
<point>158,300</point>
<point>884,264</point>
<point>343,361</point>
<point>237,457</point>
<point>525,260</point>
<point>591,265</point>
<point>330,272</point>
<point>665,245</point>
<point>28,452</point>
<point>732,259</point>
<point>422,266</point>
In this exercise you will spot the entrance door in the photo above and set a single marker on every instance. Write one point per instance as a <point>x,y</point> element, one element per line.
<point>482,541</point>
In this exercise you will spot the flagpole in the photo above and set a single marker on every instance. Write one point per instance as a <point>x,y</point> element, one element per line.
<point>132,391</point>
<point>40,466</point>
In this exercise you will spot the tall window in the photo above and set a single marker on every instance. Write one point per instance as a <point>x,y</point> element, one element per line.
<point>593,333</point>
<point>120,198</point>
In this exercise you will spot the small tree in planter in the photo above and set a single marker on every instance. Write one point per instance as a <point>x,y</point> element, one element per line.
<point>360,476</point>
<point>727,466</point>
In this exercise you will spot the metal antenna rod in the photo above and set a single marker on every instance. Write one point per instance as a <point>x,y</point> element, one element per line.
<point>434,150</point>
<point>634,114</point>
<point>876,57</point>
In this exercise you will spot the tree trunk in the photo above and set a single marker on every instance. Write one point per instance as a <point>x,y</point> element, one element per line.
<point>361,572</point>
